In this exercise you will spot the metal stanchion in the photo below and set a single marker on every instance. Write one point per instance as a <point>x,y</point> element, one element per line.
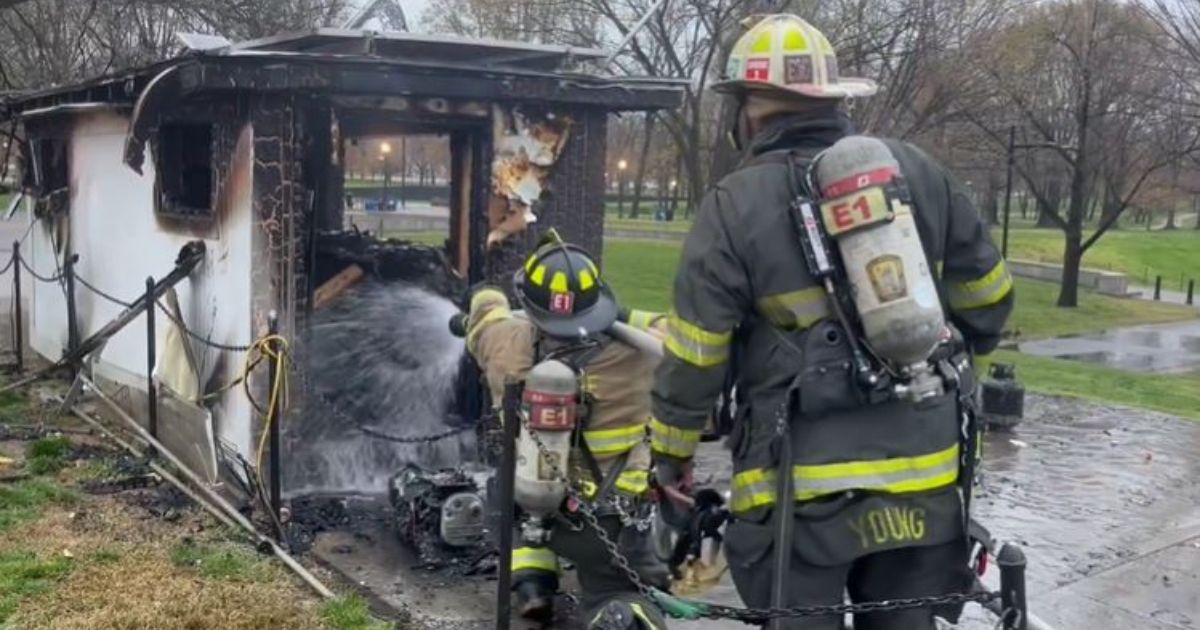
<point>506,479</point>
<point>17,315</point>
<point>1011,561</point>
<point>273,430</point>
<point>151,355</point>
<point>1191,292</point>
<point>1157,288</point>
<point>72,314</point>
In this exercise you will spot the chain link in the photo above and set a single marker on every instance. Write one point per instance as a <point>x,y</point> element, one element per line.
<point>55,278</point>
<point>197,336</point>
<point>745,615</point>
<point>90,287</point>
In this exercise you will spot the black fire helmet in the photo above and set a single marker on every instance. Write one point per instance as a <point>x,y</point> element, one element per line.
<point>561,290</point>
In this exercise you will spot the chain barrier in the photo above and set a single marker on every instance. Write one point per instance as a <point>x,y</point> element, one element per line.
<point>342,415</point>
<point>750,616</point>
<point>51,279</point>
<point>12,260</point>
<point>90,287</point>
<point>198,337</point>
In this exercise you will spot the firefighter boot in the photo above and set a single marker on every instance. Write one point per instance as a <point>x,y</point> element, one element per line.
<point>535,596</point>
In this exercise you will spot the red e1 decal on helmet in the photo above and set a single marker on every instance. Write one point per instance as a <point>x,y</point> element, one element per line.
<point>563,303</point>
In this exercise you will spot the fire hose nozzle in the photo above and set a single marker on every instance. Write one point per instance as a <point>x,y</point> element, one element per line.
<point>458,325</point>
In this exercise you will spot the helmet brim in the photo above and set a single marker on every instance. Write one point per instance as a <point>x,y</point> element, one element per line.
<point>846,87</point>
<point>597,319</point>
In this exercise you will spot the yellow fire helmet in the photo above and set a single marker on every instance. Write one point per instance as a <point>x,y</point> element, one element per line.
<point>784,53</point>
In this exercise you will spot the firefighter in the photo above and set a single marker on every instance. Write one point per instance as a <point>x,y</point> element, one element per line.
<point>878,478</point>
<point>568,308</point>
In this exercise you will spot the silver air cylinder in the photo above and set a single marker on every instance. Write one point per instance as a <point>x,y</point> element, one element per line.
<point>876,233</point>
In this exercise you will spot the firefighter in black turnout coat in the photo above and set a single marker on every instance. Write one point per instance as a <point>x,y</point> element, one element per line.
<point>880,455</point>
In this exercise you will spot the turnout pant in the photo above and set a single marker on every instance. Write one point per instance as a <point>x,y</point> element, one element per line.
<point>897,573</point>
<point>601,579</point>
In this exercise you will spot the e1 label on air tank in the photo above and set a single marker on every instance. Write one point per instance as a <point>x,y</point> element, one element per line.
<point>855,211</point>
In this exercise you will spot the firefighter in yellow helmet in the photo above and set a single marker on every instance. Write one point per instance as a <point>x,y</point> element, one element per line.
<point>568,310</point>
<point>853,388</point>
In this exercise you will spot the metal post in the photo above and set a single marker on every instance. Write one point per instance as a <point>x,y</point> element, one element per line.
<point>1190,293</point>
<point>1157,288</point>
<point>17,316</point>
<point>72,318</point>
<point>1011,561</point>
<point>387,173</point>
<point>621,196</point>
<point>1012,139</point>
<point>507,504</point>
<point>273,430</point>
<point>151,354</point>
<point>403,171</point>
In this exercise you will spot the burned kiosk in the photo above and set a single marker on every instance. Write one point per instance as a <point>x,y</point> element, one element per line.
<point>240,148</point>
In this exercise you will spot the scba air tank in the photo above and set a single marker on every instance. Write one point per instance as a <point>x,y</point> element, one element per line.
<point>867,211</point>
<point>549,404</point>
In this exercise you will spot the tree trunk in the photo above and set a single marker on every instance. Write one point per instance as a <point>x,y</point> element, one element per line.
<point>1024,206</point>
<point>1049,205</point>
<point>991,200</point>
<point>675,189</point>
<point>1171,220</point>
<point>1112,207</point>
<point>1072,261</point>
<point>643,160</point>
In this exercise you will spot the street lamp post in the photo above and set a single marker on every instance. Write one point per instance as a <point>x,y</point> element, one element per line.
<point>621,166</point>
<point>1012,141</point>
<point>403,170</point>
<point>384,150</point>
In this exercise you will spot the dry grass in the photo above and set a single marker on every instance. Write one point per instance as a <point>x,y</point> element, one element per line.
<point>126,572</point>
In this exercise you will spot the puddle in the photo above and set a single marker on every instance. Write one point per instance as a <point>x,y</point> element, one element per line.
<point>1164,348</point>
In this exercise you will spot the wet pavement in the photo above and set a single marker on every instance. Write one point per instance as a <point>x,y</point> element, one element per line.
<point>1159,348</point>
<point>1105,501</point>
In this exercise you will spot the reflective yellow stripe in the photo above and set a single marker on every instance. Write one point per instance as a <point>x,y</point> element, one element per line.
<point>487,295</point>
<point>633,482</point>
<point>586,281</point>
<point>673,441</point>
<point>795,310</point>
<point>538,277</point>
<point>614,441</point>
<point>985,291</point>
<point>695,345</point>
<point>558,283</point>
<point>756,488</point>
<point>534,559</point>
<point>753,488</point>
<point>643,320</point>
<point>896,475</point>
<point>496,314</point>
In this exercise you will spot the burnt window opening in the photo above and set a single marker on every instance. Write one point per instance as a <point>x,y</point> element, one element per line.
<point>185,170</point>
<point>46,166</point>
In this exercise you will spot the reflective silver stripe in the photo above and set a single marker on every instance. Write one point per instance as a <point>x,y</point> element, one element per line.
<point>673,441</point>
<point>695,345</point>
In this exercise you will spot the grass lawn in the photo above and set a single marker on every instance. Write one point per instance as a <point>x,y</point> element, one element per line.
<point>642,272</point>
<point>1134,252</point>
<point>1177,394</point>
<point>73,560</point>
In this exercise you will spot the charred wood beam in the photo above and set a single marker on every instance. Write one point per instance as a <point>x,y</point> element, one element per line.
<point>339,76</point>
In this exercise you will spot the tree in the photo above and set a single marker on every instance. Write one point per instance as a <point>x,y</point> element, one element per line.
<point>52,42</point>
<point>1079,76</point>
